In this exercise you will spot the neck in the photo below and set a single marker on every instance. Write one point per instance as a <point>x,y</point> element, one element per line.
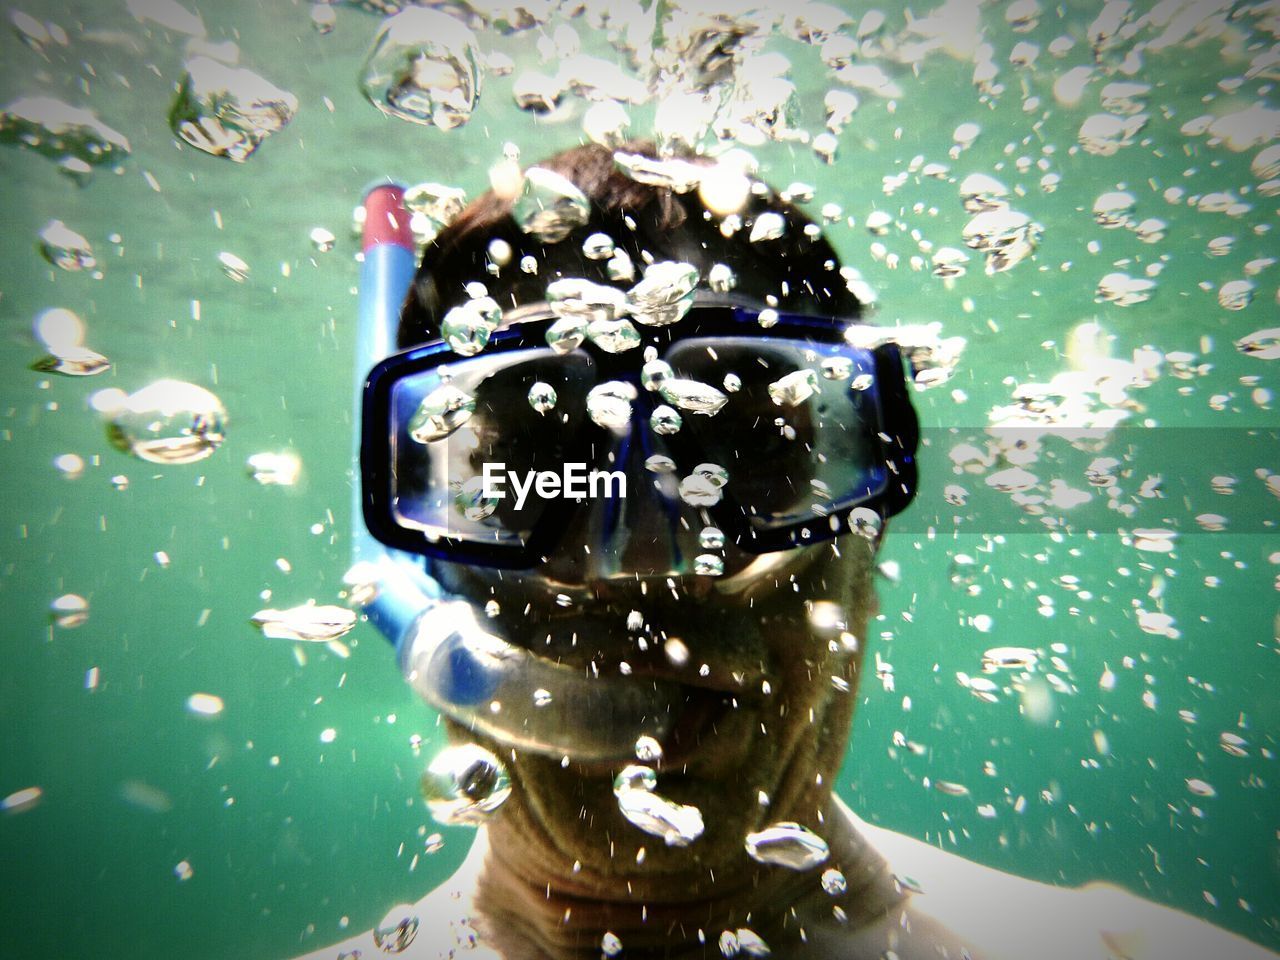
<point>534,905</point>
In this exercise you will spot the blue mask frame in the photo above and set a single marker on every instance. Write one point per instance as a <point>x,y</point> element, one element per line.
<point>886,486</point>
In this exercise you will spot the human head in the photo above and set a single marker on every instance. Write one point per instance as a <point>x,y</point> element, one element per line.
<point>767,654</point>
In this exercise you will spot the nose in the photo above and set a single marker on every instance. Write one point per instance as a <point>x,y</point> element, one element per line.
<point>646,533</point>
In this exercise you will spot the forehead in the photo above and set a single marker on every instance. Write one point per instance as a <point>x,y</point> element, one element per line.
<point>796,271</point>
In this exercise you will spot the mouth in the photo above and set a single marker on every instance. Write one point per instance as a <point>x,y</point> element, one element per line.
<point>586,691</point>
<point>698,725</point>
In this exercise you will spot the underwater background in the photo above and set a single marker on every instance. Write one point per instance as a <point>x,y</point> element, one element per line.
<point>178,783</point>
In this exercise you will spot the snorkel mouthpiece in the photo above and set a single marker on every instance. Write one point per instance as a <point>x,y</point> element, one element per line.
<point>522,700</point>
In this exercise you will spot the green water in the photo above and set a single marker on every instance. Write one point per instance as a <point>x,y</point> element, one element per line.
<point>288,836</point>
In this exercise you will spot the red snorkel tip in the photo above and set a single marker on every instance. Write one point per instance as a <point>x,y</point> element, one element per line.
<point>385,218</point>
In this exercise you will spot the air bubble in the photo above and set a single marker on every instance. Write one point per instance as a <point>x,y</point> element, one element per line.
<point>423,67</point>
<point>787,844</point>
<point>465,785</point>
<point>442,411</point>
<point>169,422</point>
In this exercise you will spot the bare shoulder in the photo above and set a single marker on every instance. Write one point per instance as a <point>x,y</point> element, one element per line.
<point>997,915</point>
<point>436,927</point>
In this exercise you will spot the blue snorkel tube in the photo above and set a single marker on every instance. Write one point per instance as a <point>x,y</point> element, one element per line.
<point>403,587</point>
<point>452,661</point>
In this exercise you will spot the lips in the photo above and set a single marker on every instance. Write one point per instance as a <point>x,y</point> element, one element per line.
<point>698,723</point>
<point>692,676</point>
<point>694,693</point>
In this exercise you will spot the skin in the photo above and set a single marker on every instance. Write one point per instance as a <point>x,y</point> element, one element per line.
<point>557,867</point>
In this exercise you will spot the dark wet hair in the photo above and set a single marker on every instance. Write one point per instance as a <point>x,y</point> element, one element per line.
<point>800,268</point>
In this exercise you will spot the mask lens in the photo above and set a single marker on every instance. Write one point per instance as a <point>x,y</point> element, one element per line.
<point>450,424</point>
<point>797,437</point>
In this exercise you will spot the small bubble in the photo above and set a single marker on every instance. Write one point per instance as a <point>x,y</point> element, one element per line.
<point>323,17</point>
<point>708,565</point>
<point>465,784</point>
<point>966,134</point>
<point>609,404</point>
<point>724,190</point>
<point>542,397</point>
<point>309,623</point>
<point>205,704</point>
<point>574,298</point>
<point>550,207</point>
<point>654,373</point>
<point>659,463</point>
<point>1113,209</point>
<point>692,396</point>
<point>787,844</point>
<point>1006,237</point>
<point>69,610</point>
<point>834,883</point>
<point>1201,789</point>
<point>613,336</point>
<point>768,226</point>
<point>794,388</point>
<point>59,330</point>
<point>537,92</point>
<point>711,538</point>
<point>467,327</point>
<point>1262,344</point>
<point>678,824</point>
<point>665,420</point>
<point>438,202</point>
<point>635,777</point>
<point>69,464</point>
<point>598,246</point>
<point>566,334</point>
<point>443,411</point>
<point>321,238</point>
<point>274,469</point>
<point>878,222</point>
<point>751,943</point>
<point>233,266</point>
<point>396,930</point>
<point>699,490</point>
<point>664,294</point>
<point>721,278</point>
<point>1236,294</point>
<point>65,248</point>
<point>1103,134</point>
<point>648,750</point>
<point>20,801</point>
<point>676,651</point>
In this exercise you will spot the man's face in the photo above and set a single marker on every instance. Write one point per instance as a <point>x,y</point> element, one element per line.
<point>751,672</point>
<point>763,661</point>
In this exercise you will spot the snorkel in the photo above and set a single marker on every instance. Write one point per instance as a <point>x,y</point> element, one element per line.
<point>458,667</point>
